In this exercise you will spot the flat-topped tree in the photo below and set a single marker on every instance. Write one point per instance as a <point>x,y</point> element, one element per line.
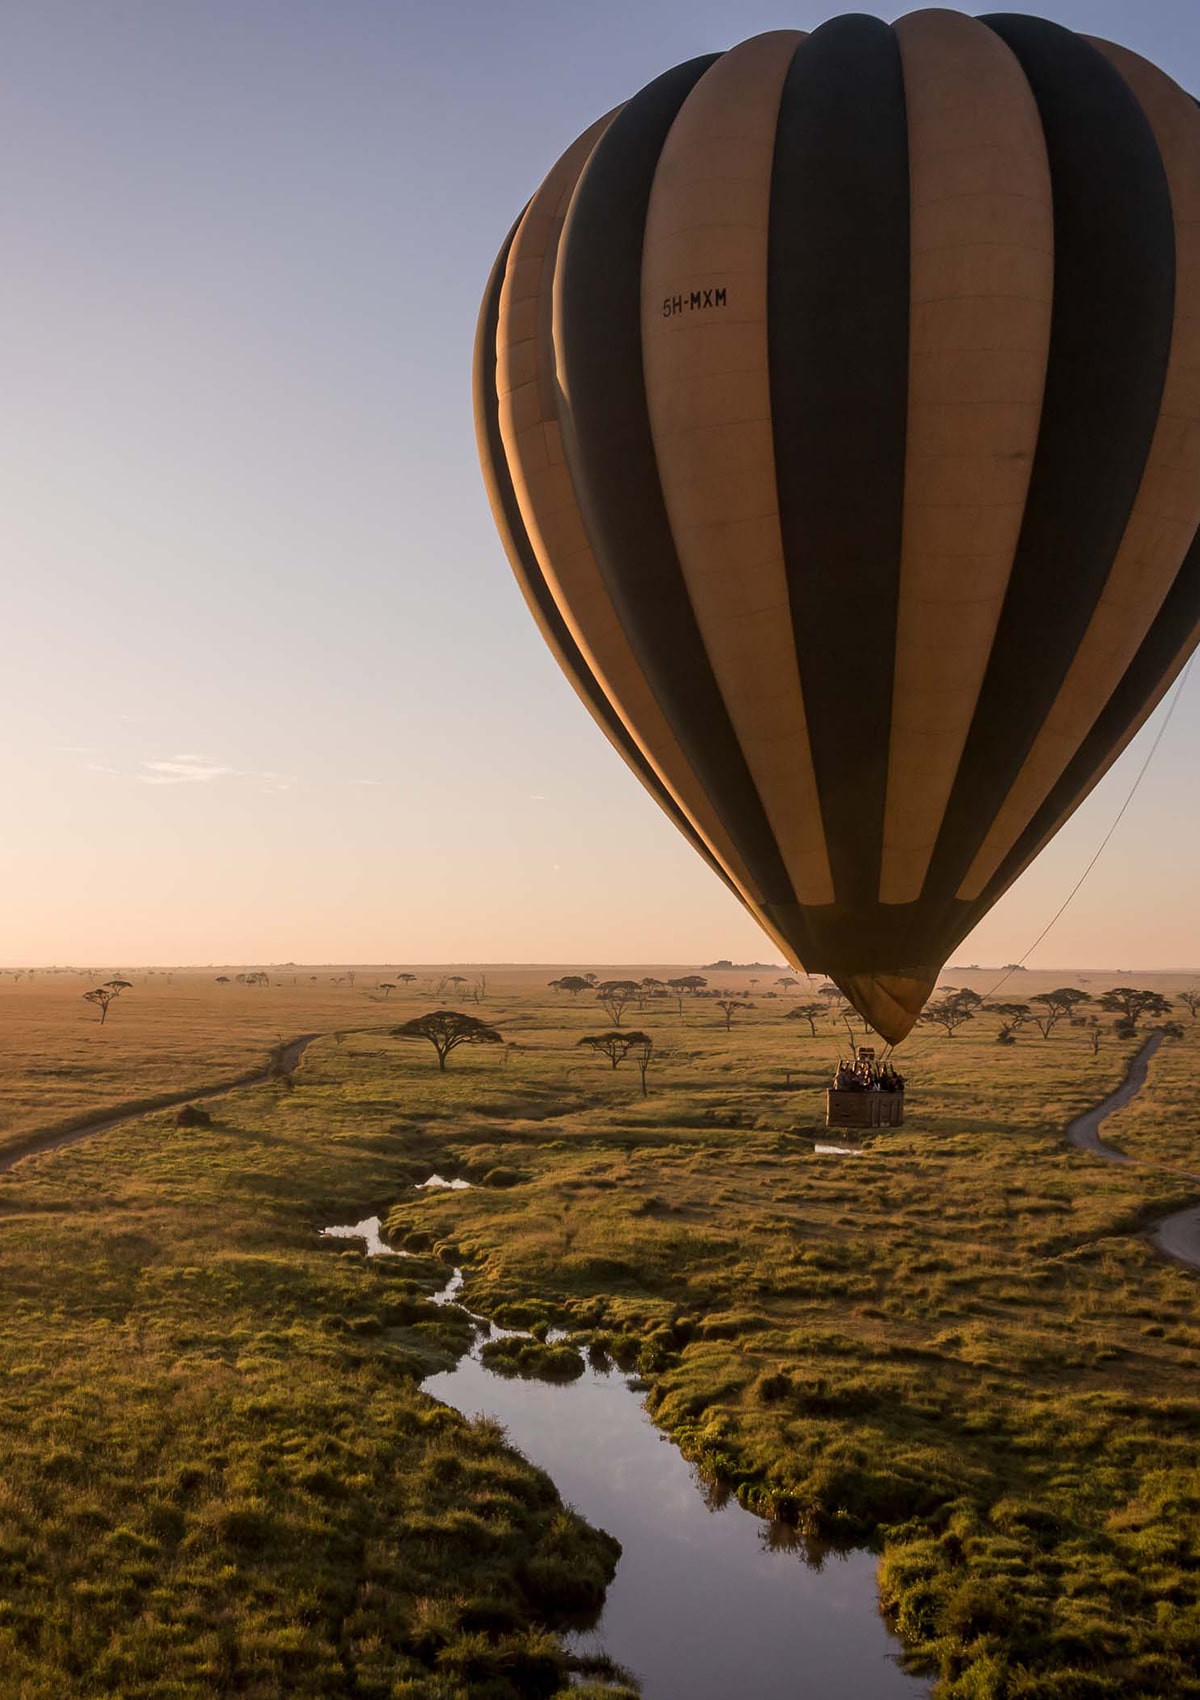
<point>100,997</point>
<point>615,996</point>
<point>1190,999</point>
<point>616,1045</point>
<point>729,1007</point>
<point>806,1012</point>
<point>1132,1003</point>
<point>573,984</point>
<point>950,1011</point>
<point>1053,1007</point>
<point>1013,1017</point>
<point>446,1030</point>
<point>685,984</point>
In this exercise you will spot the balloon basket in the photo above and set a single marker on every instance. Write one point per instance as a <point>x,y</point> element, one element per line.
<point>864,1109</point>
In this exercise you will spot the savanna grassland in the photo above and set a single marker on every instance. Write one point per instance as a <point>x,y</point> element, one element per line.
<point>219,1472</point>
<point>171,1030</point>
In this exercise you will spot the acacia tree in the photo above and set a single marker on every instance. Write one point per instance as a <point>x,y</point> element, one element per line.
<point>406,979</point>
<point>787,982</point>
<point>728,1006</point>
<point>951,1011</point>
<point>446,1030</point>
<point>1013,1017</point>
<point>615,996</point>
<point>573,984</point>
<point>616,1045</point>
<point>838,1005</point>
<point>1131,1004</point>
<point>687,983</point>
<point>806,1012</point>
<point>387,987</point>
<point>101,996</point>
<point>1191,1000</point>
<point>641,1056</point>
<point>1054,1006</point>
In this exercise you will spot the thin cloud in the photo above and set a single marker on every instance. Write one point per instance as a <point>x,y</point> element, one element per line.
<point>183,770</point>
<point>193,769</point>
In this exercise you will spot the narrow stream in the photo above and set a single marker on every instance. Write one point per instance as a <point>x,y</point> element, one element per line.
<point>708,1600</point>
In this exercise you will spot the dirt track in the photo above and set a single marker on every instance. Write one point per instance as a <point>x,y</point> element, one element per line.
<point>284,1059</point>
<point>1177,1236</point>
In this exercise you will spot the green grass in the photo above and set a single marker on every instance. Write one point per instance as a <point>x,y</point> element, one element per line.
<point>220,1474</point>
<point>959,1345</point>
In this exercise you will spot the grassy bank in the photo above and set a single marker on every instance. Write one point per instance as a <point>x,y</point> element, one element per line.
<point>219,1473</point>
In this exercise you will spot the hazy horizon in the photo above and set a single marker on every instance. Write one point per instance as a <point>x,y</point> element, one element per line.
<point>585,963</point>
<point>270,689</point>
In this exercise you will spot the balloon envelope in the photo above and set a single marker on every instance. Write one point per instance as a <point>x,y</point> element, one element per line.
<point>838,399</point>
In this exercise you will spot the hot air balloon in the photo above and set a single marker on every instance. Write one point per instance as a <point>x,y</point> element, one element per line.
<point>838,399</point>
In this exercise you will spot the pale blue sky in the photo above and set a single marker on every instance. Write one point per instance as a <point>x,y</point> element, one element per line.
<point>243,531</point>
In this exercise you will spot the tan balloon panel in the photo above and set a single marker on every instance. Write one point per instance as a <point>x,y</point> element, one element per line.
<point>542,486</point>
<point>708,394</point>
<point>485,386</point>
<point>1166,515</point>
<point>982,219</point>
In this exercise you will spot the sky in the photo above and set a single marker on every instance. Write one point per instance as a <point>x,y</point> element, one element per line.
<point>269,692</point>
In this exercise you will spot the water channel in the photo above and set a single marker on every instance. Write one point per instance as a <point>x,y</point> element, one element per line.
<point>708,1600</point>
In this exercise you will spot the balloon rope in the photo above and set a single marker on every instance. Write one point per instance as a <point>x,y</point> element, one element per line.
<point>1104,841</point>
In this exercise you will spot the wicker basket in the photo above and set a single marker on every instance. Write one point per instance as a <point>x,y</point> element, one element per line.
<point>864,1109</point>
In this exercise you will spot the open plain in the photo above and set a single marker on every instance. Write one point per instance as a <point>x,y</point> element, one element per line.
<point>220,1474</point>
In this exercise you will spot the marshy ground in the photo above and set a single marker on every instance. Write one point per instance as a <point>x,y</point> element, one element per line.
<point>220,1474</point>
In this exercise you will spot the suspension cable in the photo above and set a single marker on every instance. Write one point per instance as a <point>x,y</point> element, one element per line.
<point>1133,790</point>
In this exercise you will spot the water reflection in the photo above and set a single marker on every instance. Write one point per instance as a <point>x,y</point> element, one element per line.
<point>368,1231</point>
<point>708,1600</point>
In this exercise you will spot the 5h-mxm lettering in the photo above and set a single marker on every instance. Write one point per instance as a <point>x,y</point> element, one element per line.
<point>696,301</point>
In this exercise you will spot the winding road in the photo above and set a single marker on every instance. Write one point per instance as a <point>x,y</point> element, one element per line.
<point>1176,1236</point>
<point>283,1059</point>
